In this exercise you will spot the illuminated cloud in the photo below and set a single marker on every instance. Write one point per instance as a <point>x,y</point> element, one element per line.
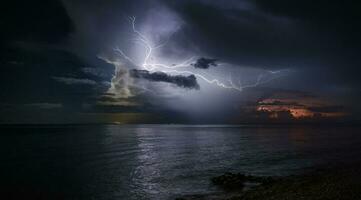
<point>299,106</point>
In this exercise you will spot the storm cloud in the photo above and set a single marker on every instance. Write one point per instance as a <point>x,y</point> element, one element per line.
<point>205,63</point>
<point>189,82</point>
<point>61,52</point>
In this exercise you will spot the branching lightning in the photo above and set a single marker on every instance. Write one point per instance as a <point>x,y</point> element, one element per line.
<point>153,66</point>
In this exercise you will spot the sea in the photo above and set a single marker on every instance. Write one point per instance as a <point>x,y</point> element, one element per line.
<point>160,162</point>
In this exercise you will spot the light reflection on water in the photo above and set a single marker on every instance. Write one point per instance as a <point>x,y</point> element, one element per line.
<point>160,162</point>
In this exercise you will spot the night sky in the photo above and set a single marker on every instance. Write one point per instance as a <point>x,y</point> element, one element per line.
<point>181,61</point>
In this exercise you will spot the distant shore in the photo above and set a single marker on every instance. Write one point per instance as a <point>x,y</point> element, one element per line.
<point>327,183</point>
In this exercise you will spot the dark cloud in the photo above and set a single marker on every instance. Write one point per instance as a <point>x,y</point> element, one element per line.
<point>327,109</point>
<point>321,12</point>
<point>280,103</point>
<point>97,72</point>
<point>38,20</point>
<point>245,37</point>
<point>319,37</point>
<point>74,81</point>
<point>48,75</point>
<point>205,63</point>
<point>33,45</point>
<point>189,82</point>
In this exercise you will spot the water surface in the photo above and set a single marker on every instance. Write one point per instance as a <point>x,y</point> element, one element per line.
<point>160,161</point>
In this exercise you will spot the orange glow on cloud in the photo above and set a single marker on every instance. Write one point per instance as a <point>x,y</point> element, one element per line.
<point>295,112</point>
<point>301,113</point>
<point>297,108</point>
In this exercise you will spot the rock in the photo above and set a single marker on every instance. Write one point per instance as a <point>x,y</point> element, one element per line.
<point>237,181</point>
<point>230,180</point>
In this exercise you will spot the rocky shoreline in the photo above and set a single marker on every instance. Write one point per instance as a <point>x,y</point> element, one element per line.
<point>327,183</point>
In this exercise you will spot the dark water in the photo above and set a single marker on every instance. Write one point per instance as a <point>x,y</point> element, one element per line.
<point>159,161</point>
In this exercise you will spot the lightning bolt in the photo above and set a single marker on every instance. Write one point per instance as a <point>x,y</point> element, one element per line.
<point>151,66</point>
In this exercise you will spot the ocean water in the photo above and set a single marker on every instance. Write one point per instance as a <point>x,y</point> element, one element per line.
<point>158,161</point>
